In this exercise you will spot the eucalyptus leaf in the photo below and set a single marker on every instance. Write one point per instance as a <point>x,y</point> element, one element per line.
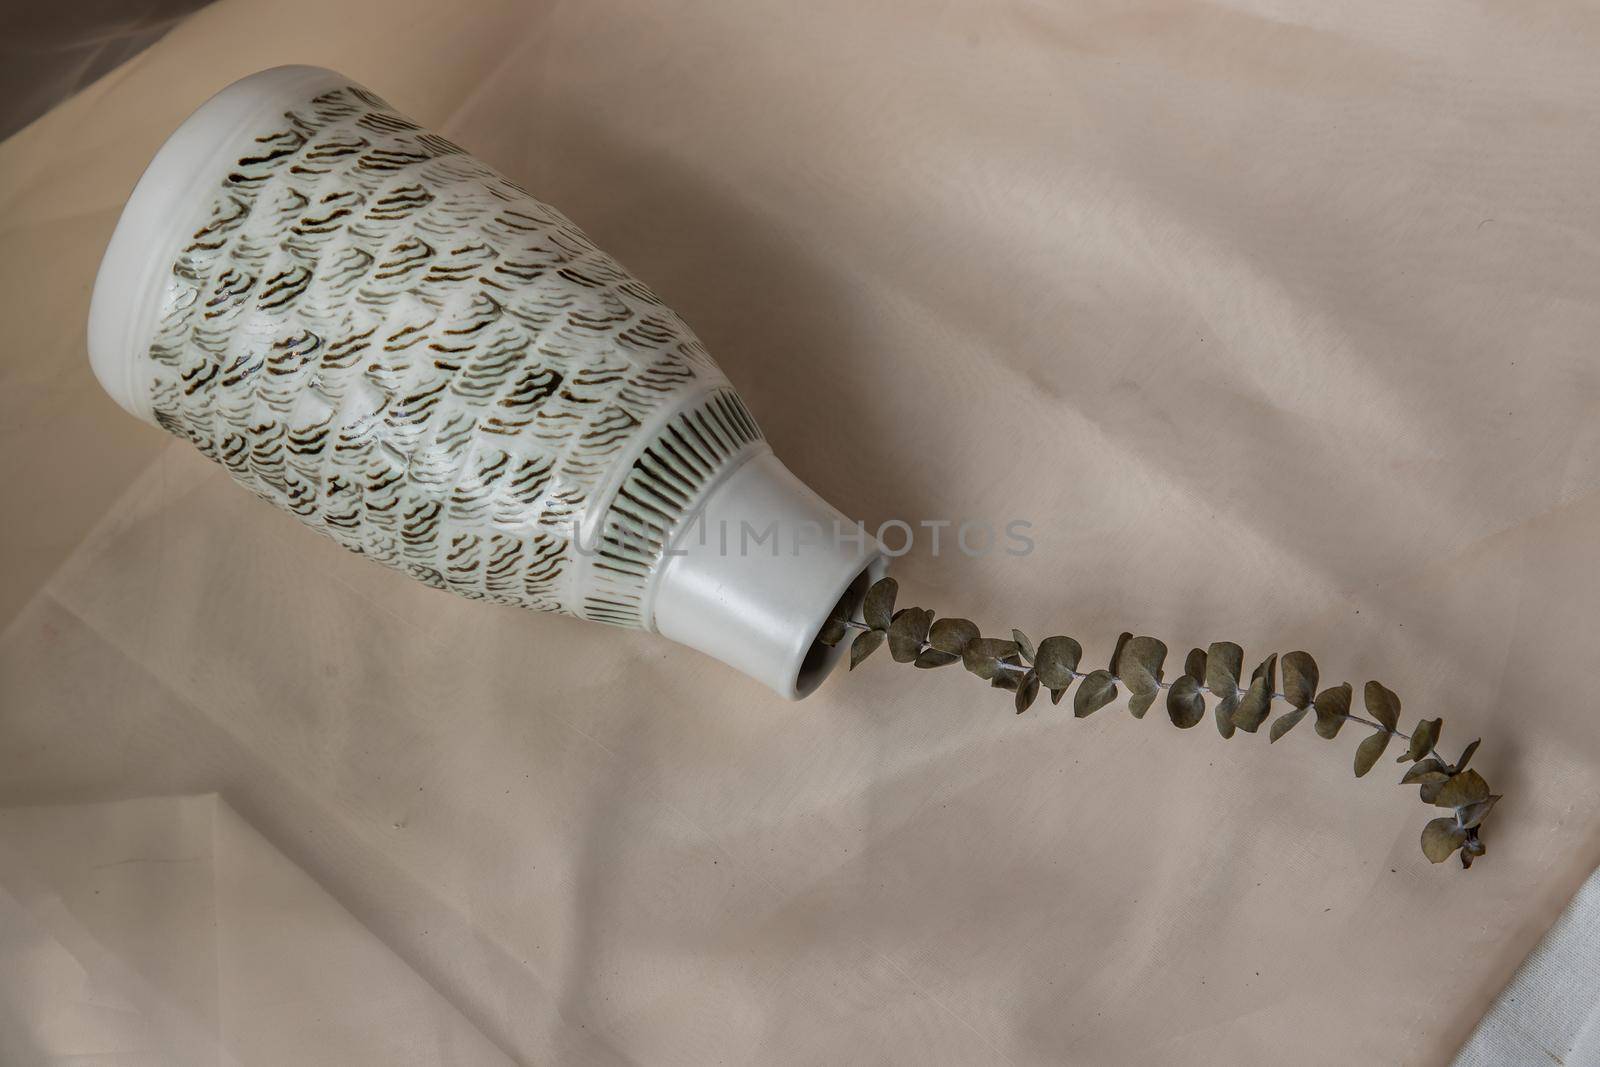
<point>1468,787</point>
<point>952,635</point>
<point>1097,689</point>
<point>998,647</point>
<point>1255,705</point>
<point>1466,754</point>
<point>1473,814</point>
<point>1267,669</point>
<point>908,632</point>
<point>1332,705</point>
<point>832,632</point>
<point>1471,849</point>
<point>1440,838</point>
<point>878,609</point>
<point>930,658</point>
<point>1140,667</point>
<point>1382,705</point>
<point>1056,659</point>
<point>1299,679</point>
<point>1224,662</point>
<point>865,644</point>
<point>1423,738</point>
<point>1224,715</point>
<point>1116,653</point>
<point>1028,692</point>
<point>1150,654</point>
<point>984,666</point>
<point>1370,749</point>
<point>982,655</point>
<point>1057,694</point>
<point>1424,770</point>
<point>1006,677</point>
<point>1024,646</point>
<point>1430,790</point>
<point>1194,665</point>
<point>1139,703</point>
<point>1186,704</point>
<point>1287,721</point>
<point>837,626</point>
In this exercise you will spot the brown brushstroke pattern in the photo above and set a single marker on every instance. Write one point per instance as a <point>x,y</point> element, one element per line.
<point>404,349</point>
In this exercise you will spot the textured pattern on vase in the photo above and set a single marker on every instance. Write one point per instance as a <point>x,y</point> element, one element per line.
<point>400,346</point>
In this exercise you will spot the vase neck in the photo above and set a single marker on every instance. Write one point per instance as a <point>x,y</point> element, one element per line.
<point>752,578</point>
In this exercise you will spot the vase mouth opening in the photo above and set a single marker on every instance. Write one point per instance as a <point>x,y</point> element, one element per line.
<point>821,659</point>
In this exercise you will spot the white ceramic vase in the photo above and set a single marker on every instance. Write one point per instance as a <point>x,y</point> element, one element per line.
<point>380,334</point>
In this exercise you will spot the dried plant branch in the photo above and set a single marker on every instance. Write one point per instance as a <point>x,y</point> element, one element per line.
<point>916,636</point>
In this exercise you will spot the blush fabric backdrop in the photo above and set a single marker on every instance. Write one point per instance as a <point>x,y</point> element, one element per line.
<point>1277,320</point>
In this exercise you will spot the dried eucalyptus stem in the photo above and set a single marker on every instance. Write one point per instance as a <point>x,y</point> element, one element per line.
<point>915,636</point>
